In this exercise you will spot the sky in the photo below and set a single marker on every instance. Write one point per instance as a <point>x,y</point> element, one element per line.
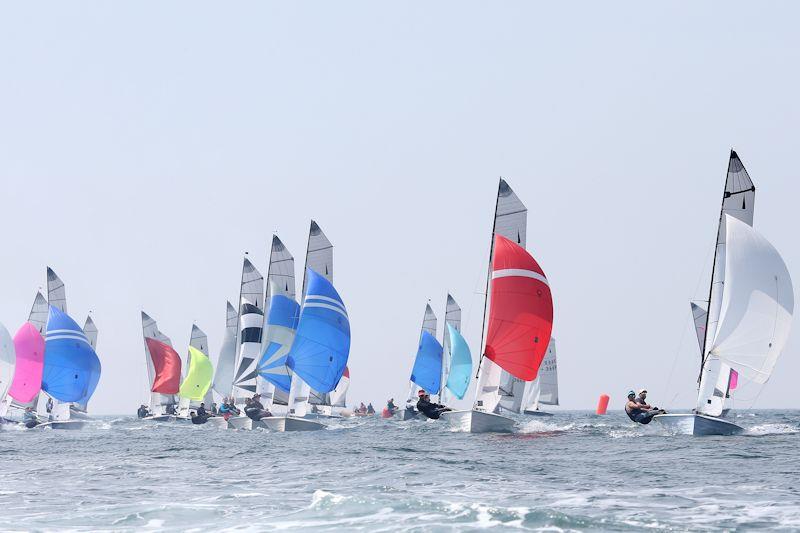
<point>145,147</point>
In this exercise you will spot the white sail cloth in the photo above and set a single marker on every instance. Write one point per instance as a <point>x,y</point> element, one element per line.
<point>757,304</point>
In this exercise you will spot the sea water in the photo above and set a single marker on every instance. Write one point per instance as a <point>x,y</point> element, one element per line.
<point>572,471</point>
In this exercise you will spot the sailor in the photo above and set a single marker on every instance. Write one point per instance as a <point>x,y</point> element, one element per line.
<point>29,418</point>
<point>200,416</point>
<point>171,409</point>
<point>143,411</point>
<point>201,411</point>
<point>640,413</point>
<point>428,408</point>
<point>370,409</point>
<point>641,399</point>
<point>255,409</point>
<point>49,405</point>
<point>391,407</point>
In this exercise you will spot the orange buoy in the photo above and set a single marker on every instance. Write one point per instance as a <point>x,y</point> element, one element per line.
<point>602,404</point>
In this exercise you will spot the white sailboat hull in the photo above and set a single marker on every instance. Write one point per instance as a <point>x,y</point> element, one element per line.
<point>291,423</point>
<point>698,425</point>
<point>244,422</point>
<point>160,418</point>
<point>478,422</point>
<point>536,413</point>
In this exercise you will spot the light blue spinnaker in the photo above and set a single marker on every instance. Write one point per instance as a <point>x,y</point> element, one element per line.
<point>279,334</point>
<point>71,367</point>
<point>460,364</point>
<point>322,342</point>
<point>427,371</point>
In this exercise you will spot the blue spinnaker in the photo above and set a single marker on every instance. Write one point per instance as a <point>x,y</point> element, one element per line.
<point>279,334</point>
<point>460,364</point>
<point>427,371</point>
<point>71,367</point>
<point>322,342</point>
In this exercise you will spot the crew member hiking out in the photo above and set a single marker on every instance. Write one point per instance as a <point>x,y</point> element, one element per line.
<point>640,412</point>
<point>428,408</point>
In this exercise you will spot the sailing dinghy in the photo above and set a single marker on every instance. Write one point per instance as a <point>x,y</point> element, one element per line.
<point>749,314</point>
<point>426,374</point>
<point>163,371</point>
<point>29,364</point>
<point>71,368</point>
<point>251,323</point>
<point>519,322</point>
<point>320,350</point>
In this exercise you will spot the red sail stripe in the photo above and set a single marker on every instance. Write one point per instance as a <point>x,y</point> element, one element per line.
<point>167,364</point>
<point>520,315</point>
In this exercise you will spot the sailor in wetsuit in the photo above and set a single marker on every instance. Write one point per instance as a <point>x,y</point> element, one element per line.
<point>428,408</point>
<point>143,411</point>
<point>640,412</point>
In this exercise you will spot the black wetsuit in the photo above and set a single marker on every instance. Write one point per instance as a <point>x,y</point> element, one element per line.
<point>201,417</point>
<point>142,412</point>
<point>642,416</point>
<point>255,411</point>
<point>430,409</point>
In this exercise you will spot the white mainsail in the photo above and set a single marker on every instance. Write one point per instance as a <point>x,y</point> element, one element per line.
<point>738,201</point>
<point>251,320</point>
<point>452,316</point>
<point>319,258</point>
<point>226,361</point>
<point>150,329</point>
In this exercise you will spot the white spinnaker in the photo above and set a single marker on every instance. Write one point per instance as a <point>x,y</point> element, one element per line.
<point>544,389</point>
<point>757,304</point>
<point>248,339</point>
<point>495,385</point>
<point>226,361</point>
<point>429,324</point>
<point>280,282</point>
<point>452,316</point>
<point>319,258</point>
<point>150,329</point>
<point>56,292</point>
<point>199,340</point>
<point>8,360</point>
<point>38,314</point>
<point>738,201</point>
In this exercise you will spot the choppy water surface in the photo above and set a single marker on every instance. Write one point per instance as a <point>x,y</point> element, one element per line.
<point>574,471</point>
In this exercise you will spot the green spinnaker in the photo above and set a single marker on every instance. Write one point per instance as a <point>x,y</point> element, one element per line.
<point>198,379</point>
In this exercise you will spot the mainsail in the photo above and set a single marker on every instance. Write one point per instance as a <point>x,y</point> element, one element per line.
<point>38,314</point>
<point>339,394</point>
<point>71,367</point>
<point>8,360</point>
<point>251,318</point>
<point>699,316</point>
<point>738,201</point>
<point>544,389</point>
<point>322,342</point>
<point>280,324</point>
<point>56,292</point>
<point>223,377</point>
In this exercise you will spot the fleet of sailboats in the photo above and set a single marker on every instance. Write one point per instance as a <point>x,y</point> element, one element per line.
<point>292,351</point>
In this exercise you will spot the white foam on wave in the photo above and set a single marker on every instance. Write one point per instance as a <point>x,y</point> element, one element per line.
<point>322,498</point>
<point>772,429</point>
<point>539,426</point>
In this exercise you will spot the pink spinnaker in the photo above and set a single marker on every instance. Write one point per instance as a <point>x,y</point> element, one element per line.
<point>29,345</point>
<point>733,380</point>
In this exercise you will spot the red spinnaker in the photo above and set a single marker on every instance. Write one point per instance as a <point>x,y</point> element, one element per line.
<point>521,311</point>
<point>167,364</point>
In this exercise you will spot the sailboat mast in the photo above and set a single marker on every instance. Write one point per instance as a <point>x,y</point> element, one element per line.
<point>488,277</point>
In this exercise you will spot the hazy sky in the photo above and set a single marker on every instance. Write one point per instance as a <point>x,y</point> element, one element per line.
<point>145,146</point>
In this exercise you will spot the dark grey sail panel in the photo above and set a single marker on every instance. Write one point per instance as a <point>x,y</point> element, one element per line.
<point>699,316</point>
<point>199,339</point>
<point>429,322</point>
<point>511,218</point>
<point>252,287</point>
<point>280,274</point>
